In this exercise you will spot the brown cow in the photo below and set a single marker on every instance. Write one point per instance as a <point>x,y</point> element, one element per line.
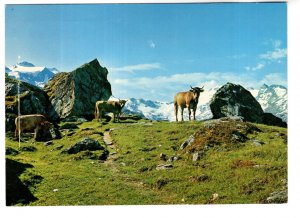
<point>114,107</point>
<point>187,100</point>
<point>31,122</point>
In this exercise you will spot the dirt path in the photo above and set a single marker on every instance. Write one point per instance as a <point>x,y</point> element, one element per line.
<point>113,156</point>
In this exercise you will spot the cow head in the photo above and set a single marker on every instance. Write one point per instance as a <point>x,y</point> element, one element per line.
<point>196,91</point>
<point>122,103</point>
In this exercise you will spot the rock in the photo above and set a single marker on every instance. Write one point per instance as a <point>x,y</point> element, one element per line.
<point>69,126</point>
<point>238,137</point>
<point>57,148</point>
<point>164,166</point>
<point>33,100</point>
<point>257,143</point>
<point>278,197</point>
<point>233,100</point>
<point>48,143</point>
<point>146,149</point>
<point>163,157</point>
<point>161,182</point>
<point>75,93</point>
<point>28,148</point>
<point>187,142</point>
<point>173,158</point>
<point>84,145</point>
<point>104,155</point>
<point>55,133</point>
<point>197,156</point>
<point>215,196</point>
<point>233,118</point>
<point>272,120</point>
<point>74,119</point>
<point>11,151</point>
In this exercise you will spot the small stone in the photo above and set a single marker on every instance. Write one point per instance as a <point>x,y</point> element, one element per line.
<point>197,156</point>
<point>55,190</point>
<point>164,166</point>
<point>187,142</point>
<point>238,136</point>
<point>48,143</point>
<point>215,196</point>
<point>278,197</point>
<point>57,148</point>
<point>173,158</point>
<point>163,156</point>
<point>257,143</point>
<point>123,164</point>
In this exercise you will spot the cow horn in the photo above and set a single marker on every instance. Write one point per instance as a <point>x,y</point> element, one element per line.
<point>191,87</point>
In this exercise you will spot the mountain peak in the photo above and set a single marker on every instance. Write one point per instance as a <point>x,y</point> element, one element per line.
<point>25,64</point>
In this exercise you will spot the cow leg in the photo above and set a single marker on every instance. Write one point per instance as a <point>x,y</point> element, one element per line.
<point>16,132</point>
<point>194,113</point>
<point>176,111</point>
<point>35,132</point>
<point>182,108</point>
<point>189,110</point>
<point>100,115</point>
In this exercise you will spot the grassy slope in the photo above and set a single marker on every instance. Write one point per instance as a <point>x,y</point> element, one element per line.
<point>247,174</point>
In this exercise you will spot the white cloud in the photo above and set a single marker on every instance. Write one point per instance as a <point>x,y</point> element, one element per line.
<point>278,53</point>
<point>257,67</point>
<point>133,68</point>
<point>151,44</point>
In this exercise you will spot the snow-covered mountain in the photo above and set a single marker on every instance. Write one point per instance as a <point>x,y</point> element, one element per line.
<point>30,73</point>
<point>273,99</point>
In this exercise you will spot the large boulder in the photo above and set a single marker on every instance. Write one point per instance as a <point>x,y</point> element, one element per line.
<point>75,93</point>
<point>235,100</point>
<point>33,100</point>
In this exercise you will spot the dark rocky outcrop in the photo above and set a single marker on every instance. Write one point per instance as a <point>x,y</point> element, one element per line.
<point>234,100</point>
<point>270,119</point>
<point>75,93</point>
<point>33,100</point>
<point>87,144</point>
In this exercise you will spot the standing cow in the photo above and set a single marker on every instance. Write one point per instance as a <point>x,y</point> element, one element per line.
<point>187,100</point>
<point>114,107</point>
<point>31,122</point>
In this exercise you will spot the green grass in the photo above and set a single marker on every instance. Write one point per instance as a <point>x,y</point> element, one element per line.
<point>243,174</point>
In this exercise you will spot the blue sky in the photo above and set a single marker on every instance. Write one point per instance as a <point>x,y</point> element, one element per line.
<point>154,50</point>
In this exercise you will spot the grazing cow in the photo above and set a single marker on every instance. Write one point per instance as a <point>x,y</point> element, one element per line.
<point>187,100</point>
<point>114,107</point>
<point>31,122</point>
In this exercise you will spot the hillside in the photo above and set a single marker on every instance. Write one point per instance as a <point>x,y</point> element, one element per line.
<point>150,162</point>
